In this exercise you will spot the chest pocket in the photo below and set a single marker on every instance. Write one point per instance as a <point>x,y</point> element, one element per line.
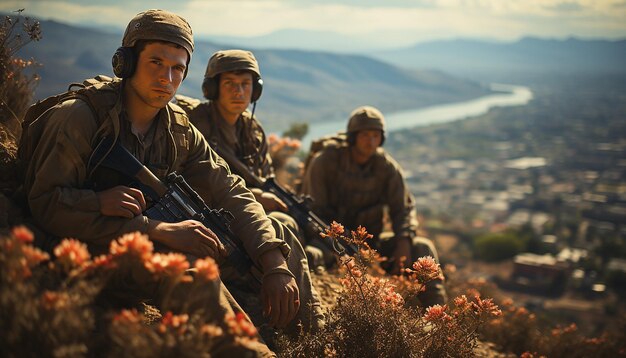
<point>181,141</point>
<point>359,190</point>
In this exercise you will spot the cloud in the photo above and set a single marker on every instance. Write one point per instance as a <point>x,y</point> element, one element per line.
<point>398,21</point>
<point>566,7</point>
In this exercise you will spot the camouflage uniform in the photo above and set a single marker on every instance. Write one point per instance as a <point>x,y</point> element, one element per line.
<point>247,142</point>
<point>354,195</point>
<point>60,186</point>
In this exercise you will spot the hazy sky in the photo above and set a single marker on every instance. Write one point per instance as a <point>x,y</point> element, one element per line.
<point>393,22</point>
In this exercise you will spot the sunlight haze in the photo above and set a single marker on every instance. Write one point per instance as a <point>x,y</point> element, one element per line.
<point>379,23</point>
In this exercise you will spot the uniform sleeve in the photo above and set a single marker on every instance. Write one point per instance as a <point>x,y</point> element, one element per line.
<point>210,176</point>
<point>400,201</point>
<point>316,185</point>
<point>265,164</point>
<point>55,180</point>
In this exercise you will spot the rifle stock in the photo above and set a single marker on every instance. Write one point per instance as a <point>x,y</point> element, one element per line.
<point>297,205</point>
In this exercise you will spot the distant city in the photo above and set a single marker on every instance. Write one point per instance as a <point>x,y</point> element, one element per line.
<point>555,167</point>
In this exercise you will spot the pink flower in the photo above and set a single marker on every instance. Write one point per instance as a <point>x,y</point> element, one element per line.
<point>461,304</point>
<point>392,297</point>
<point>174,322</point>
<point>54,300</point>
<point>22,234</point>
<point>425,269</point>
<point>360,235</point>
<point>437,313</point>
<point>171,264</point>
<point>71,253</point>
<point>334,231</point>
<point>207,269</point>
<point>239,325</point>
<point>211,330</point>
<point>103,261</point>
<point>126,316</point>
<point>32,257</point>
<point>486,306</point>
<point>134,244</point>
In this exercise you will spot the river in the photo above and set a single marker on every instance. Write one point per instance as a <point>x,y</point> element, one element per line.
<point>508,95</point>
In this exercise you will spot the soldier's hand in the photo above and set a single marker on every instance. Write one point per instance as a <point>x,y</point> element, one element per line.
<point>121,201</point>
<point>271,202</point>
<point>280,297</point>
<point>402,254</point>
<point>188,237</point>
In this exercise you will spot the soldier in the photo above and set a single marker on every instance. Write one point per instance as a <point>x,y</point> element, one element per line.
<point>354,181</point>
<point>136,111</point>
<point>231,82</point>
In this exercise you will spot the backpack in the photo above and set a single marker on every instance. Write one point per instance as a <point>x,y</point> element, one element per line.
<point>37,115</point>
<point>336,140</point>
<point>100,93</point>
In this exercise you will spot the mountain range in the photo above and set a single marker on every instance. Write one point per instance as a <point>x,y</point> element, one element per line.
<point>299,86</point>
<point>527,61</point>
<point>304,85</point>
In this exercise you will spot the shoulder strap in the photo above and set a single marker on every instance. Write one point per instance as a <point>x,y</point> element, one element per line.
<point>336,140</point>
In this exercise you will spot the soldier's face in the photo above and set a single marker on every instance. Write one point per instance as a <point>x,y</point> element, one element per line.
<point>160,70</point>
<point>235,92</point>
<point>367,141</point>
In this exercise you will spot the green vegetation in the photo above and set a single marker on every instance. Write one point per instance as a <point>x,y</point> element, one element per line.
<point>497,247</point>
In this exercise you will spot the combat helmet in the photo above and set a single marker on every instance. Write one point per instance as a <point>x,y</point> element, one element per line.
<point>365,117</point>
<point>227,61</point>
<point>156,25</point>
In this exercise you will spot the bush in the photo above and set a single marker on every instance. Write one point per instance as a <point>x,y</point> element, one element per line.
<point>372,318</point>
<point>16,88</point>
<point>52,308</point>
<point>16,92</point>
<point>497,247</point>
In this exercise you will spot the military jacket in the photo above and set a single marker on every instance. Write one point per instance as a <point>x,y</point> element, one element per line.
<point>63,203</point>
<point>354,195</point>
<point>249,144</point>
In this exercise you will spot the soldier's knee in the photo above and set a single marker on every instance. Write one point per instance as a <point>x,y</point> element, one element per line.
<point>423,246</point>
<point>286,220</point>
<point>315,257</point>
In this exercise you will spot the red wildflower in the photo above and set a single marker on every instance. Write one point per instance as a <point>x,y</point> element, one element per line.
<point>103,261</point>
<point>32,257</point>
<point>134,244</point>
<point>211,330</point>
<point>391,297</point>
<point>170,264</point>
<point>207,269</point>
<point>425,269</point>
<point>71,253</point>
<point>54,300</point>
<point>485,306</point>
<point>360,235</point>
<point>126,316</point>
<point>461,303</point>
<point>22,234</point>
<point>437,313</point>
<point>174,322</point>
<point>239,325</point>
<point>335,230</point>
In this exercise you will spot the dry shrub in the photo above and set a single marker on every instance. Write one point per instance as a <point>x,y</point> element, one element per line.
<point>51,308</point>
<point>371,319</point>
<point>518,330</point>
<point>16,92</point>
<point>16,88</point>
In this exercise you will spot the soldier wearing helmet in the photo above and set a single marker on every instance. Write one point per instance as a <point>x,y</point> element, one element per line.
<point>355,182</point>
<point>70,198</point>
<point>232,82</point>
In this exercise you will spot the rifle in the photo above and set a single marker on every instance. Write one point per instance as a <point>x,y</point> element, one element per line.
<point>297,205</point>
<point>175,200</point>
